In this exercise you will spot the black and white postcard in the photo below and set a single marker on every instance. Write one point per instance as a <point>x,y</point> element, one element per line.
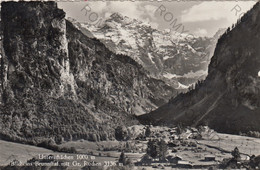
<point>129,85</point>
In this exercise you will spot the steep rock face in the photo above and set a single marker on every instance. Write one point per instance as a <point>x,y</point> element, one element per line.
<point>179,60</point>
<point>1,55</point>
<point>29,41</point>
<point>118,78</point>
<point>229,99</point>
<point>59,83</point>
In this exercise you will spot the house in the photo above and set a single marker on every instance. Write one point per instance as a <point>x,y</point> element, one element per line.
<point>174,159</point>
<point>194,130</point>
<point>171,144</point>
<point>255,161</point>
<point>184,164</point>
<point>185,135</point>
<point>210,158</point>
<point>146,160</point>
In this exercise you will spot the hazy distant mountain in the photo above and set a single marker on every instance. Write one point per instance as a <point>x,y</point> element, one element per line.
<point>229,99</point>
<point>180,60</point>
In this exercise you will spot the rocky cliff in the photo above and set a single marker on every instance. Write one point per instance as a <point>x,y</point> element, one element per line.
<point>229,99</point>
<point>58,83</point>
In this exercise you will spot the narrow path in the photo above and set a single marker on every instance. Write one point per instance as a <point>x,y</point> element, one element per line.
<point>210,109</point>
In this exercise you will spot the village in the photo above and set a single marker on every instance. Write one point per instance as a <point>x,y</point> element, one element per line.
<point>152,147</point>
<point>192,148</point>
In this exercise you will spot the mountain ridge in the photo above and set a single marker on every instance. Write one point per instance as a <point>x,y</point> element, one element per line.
<point>163,54</point>
<point>228,100</point>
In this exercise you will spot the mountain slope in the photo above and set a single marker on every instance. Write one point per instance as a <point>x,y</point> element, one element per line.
<point>174,58</point>
<point>57,83</point>
<point>229,99</point>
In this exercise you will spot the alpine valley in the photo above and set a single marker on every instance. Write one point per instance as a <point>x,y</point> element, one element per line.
<point>123,95</point>
<point>61,80</point>
<point>229,98</point>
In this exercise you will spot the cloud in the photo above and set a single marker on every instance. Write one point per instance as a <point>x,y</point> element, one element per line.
<point>107,14</point>
<point>97,6</point>
<point>135,10</point>
<point>214,10</point>
<point>154,25</point>
<point>150,9</point>
<point>126,8</point>
<point>201,32</point>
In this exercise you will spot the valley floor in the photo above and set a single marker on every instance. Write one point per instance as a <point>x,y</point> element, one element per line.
<point>107,153</point>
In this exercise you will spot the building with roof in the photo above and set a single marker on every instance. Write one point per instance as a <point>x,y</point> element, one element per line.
<point>210,158</point>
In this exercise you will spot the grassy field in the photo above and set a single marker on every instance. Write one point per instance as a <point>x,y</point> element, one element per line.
<point>246,145</point>
<point>10,151</point>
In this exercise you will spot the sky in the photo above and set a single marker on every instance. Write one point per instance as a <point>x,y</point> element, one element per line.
<point>200,18</point>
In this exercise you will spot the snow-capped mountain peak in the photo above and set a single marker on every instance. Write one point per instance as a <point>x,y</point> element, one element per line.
<point>157,51</point>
